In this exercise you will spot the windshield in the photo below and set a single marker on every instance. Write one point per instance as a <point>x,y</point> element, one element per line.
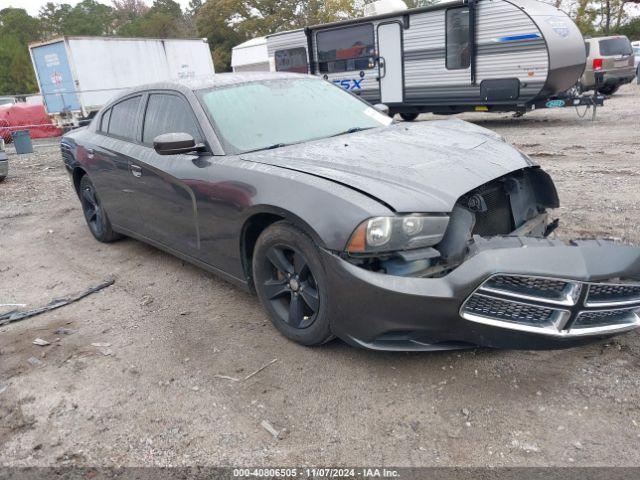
<point>615,46</point>
<point>636,51</point>
<point>274,113</point>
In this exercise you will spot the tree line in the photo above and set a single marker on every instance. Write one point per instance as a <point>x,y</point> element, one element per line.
<point>224,23</point>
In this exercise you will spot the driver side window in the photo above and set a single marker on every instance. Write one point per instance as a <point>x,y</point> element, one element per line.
<point>168,113</point>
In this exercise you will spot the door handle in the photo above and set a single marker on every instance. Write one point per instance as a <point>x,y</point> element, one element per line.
<point>90,153</point>
<point>382,67</point>
<point>136,170</point>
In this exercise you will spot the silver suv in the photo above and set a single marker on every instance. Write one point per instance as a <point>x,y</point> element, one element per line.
<point>611,56</point>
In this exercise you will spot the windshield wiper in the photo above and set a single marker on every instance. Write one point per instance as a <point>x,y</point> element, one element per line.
<point>270,147</point>
<point>352,130</point>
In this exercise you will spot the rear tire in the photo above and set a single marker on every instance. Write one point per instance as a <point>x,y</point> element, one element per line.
<point>409,117</point>
<point>94,214</point>
<point>609,89</point>
<point>291,283</point>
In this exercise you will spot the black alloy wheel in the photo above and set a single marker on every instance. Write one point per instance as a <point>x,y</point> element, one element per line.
<point>289,278</point>
<point>291,288</point>
<point>94,213</point>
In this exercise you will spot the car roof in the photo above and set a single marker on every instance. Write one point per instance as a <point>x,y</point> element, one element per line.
<point>218,80</point>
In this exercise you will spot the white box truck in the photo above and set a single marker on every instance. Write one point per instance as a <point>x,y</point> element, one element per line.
<point>78,75</point>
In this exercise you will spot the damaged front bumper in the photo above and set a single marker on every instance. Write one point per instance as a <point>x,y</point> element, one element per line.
<point>510,292</point>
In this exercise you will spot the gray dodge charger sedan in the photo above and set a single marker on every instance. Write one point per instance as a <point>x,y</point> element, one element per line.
<point>390,236</point>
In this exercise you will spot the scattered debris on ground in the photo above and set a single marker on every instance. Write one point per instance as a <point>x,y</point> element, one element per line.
<point>15,315</point>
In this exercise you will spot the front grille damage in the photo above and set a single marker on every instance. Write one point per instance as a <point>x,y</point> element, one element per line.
<point>515,204</point>
<point>554,306</point>
<point>492,210</point>
<point>506,204</point>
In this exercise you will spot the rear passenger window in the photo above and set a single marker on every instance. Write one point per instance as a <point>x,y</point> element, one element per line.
<point>292,60</point>
<point>457,33</point>
<point>104,121</point>
<point>168,114</point>
<point>615,46</point>
<point>587,46</point>
<point>346,49</point>
<point>123,119</point>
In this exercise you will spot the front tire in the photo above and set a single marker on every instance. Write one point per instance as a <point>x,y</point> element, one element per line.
<point>95,215</point>
<point>291,283</point>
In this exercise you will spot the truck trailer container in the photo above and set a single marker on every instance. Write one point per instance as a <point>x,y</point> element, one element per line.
<point>78,75</point>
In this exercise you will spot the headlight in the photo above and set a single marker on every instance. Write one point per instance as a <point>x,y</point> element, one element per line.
<point>402,232</point>
<point>378,231</point>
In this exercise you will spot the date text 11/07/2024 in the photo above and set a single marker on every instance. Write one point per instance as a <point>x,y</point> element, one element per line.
<point>319,472</point>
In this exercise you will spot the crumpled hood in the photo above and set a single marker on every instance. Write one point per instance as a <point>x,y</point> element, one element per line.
<point>417,167</point>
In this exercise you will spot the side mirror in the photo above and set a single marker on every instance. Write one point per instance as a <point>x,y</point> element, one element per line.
<point>174,143</point>
<point>382,108</point>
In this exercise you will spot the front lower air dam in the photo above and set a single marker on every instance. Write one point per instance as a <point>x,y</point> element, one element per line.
<point>509,292</point>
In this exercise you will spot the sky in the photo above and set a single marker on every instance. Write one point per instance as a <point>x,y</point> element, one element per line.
<point>32,6</point>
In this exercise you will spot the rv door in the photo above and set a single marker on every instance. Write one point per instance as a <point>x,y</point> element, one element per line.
<point>390,62</point>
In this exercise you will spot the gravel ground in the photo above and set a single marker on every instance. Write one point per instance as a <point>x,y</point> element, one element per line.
<point>151,391</point>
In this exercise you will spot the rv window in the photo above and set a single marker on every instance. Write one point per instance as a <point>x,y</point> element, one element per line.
<point>346,49</point>
<point>104,121</point>
<point>157,122</point>
<point>292,60</point>
<point>458,49</point>
<point>124,116</point>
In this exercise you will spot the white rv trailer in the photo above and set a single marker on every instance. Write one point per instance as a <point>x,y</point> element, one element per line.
<point>78,75</point>
<point>250,56</point>
<point>466,55</point>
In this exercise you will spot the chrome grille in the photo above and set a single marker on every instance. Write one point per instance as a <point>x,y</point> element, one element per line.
<point>555,291</point>
<point>554,306</point>
<point>489,307</point>
<point>606,317</point>
<point>605,294</point>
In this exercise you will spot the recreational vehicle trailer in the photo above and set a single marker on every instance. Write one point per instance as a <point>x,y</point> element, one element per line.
<point>250,56</point>
<point>466,55</point>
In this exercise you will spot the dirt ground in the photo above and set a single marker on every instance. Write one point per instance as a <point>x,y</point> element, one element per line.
<point>151,391</point>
